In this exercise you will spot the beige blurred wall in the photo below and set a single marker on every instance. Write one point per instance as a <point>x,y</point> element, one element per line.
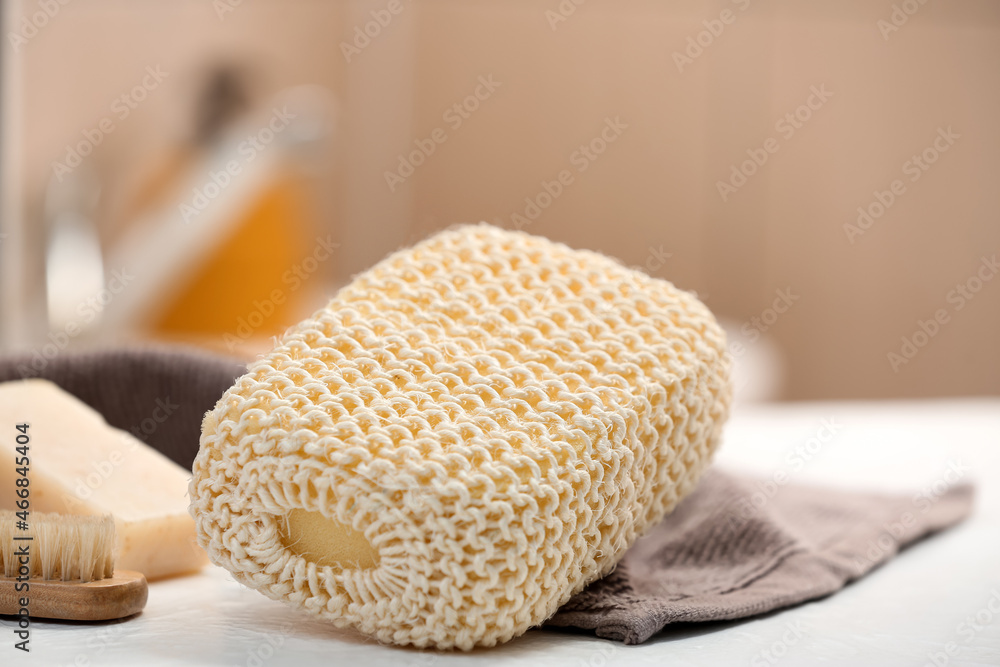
<point>653,191</point>
<point>784,229</point>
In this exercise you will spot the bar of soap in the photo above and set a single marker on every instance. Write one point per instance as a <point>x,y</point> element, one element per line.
<point>81,465</point>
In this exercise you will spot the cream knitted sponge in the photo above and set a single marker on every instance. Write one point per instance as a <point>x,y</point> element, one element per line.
<point>466,436</point>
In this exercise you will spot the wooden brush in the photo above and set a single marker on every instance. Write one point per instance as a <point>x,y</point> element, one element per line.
<point>69,569</point>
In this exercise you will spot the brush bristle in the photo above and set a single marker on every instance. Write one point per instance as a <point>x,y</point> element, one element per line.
<point>63,547</point>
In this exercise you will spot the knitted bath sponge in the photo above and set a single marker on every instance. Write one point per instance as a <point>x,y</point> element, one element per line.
<point>463,438</point>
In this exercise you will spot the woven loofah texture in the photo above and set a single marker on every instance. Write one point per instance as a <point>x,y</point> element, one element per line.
<point>466,436</point>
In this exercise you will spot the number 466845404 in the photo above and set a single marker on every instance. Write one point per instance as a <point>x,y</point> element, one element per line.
<point>23,464</point>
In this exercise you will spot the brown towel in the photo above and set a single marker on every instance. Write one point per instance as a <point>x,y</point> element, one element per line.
<point>723,554</point>
<point>160,395</point>
<point>726,552</point>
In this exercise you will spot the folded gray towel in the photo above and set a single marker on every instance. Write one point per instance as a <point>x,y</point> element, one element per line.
<point>720,557</point>
<point>716,557</point>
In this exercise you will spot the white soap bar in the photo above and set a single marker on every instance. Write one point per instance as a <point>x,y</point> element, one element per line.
<point>80,465</point>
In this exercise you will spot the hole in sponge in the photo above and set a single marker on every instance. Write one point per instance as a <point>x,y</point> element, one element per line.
<point>323,541</point>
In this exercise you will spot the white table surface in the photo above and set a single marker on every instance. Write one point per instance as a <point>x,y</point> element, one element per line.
<point>905,613</point>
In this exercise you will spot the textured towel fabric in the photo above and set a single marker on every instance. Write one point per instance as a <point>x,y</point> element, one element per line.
<point>710,560</point>
<point>723,555</point>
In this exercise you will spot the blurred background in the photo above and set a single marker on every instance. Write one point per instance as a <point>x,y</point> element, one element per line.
<point>826,176</point>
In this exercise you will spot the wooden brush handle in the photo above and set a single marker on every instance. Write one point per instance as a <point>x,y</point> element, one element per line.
<point>122,595</point>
